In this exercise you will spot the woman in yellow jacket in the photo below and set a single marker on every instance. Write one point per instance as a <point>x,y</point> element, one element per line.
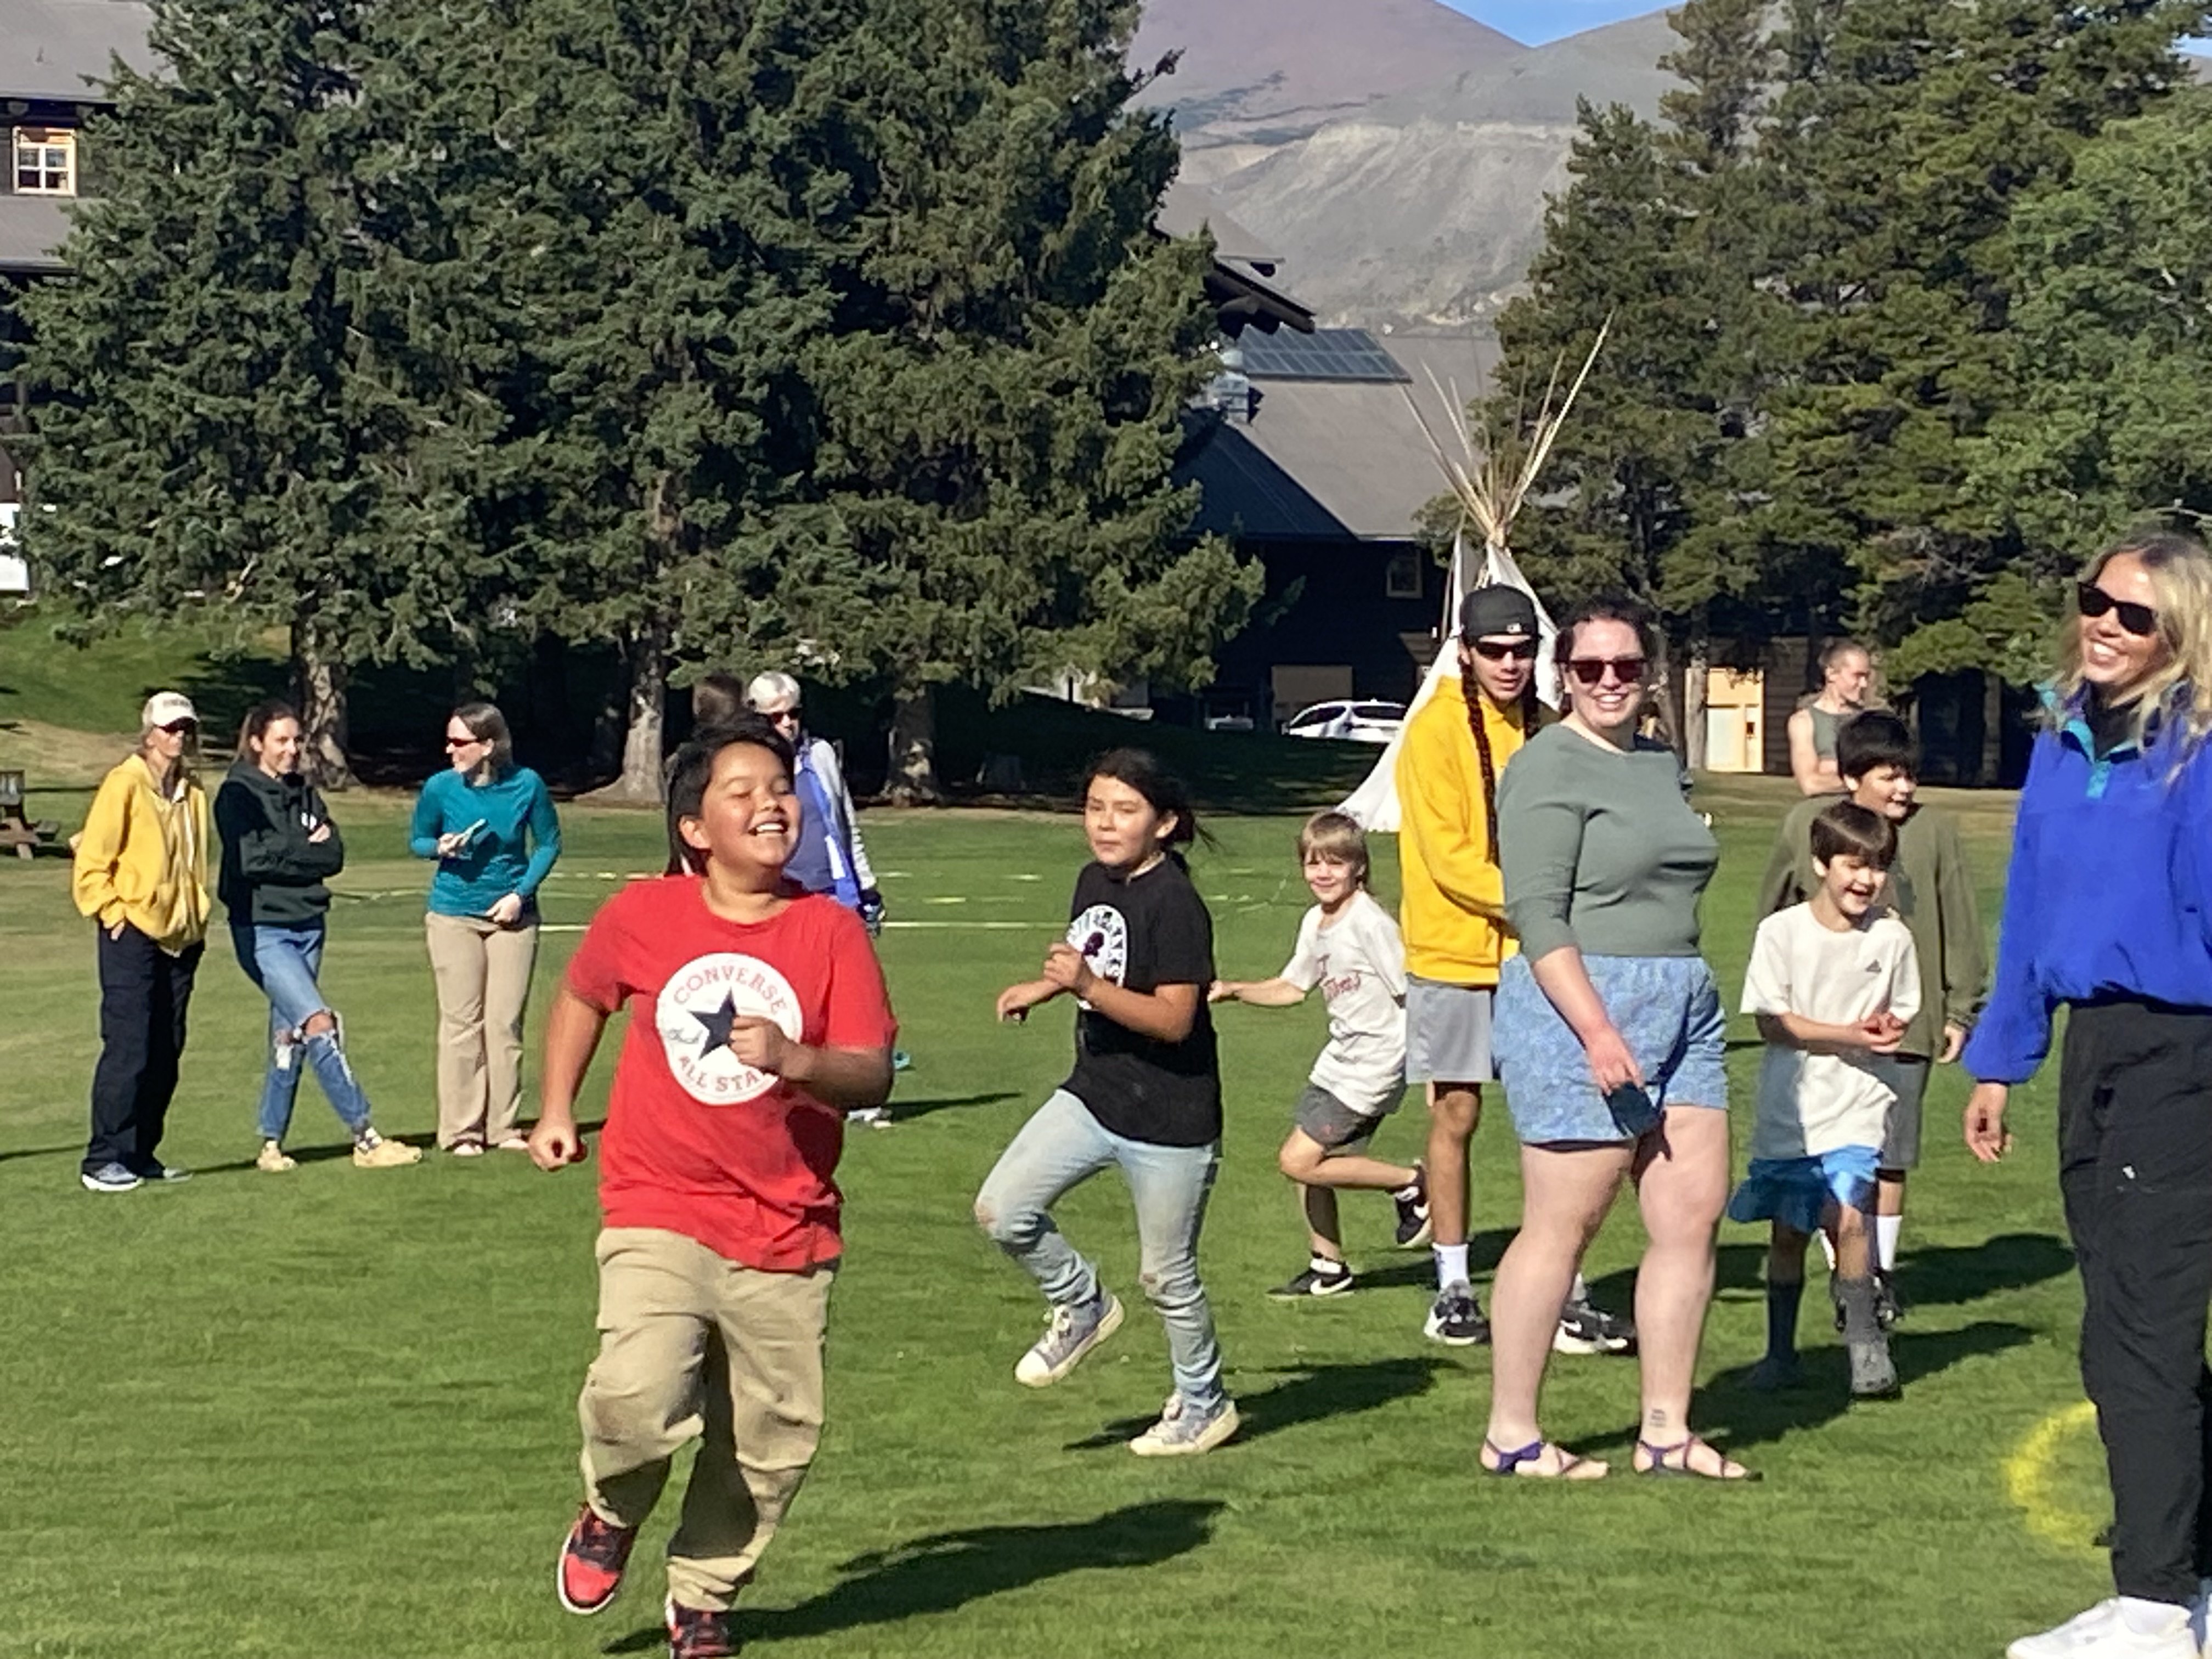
<point>1453,919</point>
<point>142,876</point>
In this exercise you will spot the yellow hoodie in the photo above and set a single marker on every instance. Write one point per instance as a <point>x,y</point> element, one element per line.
<point>1454,912</point>
<point>142,858</point>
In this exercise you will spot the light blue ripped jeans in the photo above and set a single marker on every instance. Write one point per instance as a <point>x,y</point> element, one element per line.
<point>1061,1146</point>
<point>284,962</point>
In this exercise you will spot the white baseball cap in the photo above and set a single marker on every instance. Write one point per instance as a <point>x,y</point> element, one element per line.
<point>166,708</point>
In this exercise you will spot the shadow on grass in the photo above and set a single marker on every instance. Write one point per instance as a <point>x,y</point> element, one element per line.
<point>1484,1250</point>
<point>76,1148</point>
<point>1312,1394</point>
<point>947,1570</point>
<point>906,1111</point>
<point>1951,1275</point>
<point>1739,1416</point>
<point>334,1150</point>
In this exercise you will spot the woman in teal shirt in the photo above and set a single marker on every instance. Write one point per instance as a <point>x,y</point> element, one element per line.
<point>490,825</point>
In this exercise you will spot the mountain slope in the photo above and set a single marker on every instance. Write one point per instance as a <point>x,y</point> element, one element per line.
<point>1426,207</point>
<point>1269,70</point>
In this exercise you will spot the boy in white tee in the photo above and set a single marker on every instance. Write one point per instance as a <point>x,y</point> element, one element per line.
<point>1348,944</point>
<point>1834,983</point>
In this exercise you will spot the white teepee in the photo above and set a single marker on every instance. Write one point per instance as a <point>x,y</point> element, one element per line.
<point>1489,498</point>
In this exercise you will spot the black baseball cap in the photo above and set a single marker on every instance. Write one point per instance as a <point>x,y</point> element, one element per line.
<point>1497,611</point>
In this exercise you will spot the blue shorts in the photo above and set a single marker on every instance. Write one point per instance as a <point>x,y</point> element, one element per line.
<point>1794,1191</point>
<point>1667,1009</point>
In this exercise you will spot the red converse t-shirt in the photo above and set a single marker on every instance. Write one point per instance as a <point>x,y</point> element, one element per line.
<point>698,1142</point>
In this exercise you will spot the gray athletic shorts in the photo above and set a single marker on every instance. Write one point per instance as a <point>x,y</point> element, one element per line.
<point>1447,1030</point>
<point>1900,1148</point>
<point>1331,1125</point>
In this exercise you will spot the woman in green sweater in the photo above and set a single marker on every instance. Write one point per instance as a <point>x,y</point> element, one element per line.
<point>490,825</point>
<point>1609,1043</point>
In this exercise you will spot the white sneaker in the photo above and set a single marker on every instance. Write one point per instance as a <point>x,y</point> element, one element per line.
<point>2101,1633</point>
<point>1185,1431</point>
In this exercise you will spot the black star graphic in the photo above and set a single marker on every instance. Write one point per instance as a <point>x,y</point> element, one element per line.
<point>717,1023</point>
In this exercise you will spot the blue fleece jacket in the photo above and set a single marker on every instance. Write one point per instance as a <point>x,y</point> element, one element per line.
<point>2109,894</point>
<point>516,812</point>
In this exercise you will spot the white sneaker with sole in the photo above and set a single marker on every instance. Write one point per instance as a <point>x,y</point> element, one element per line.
<point>1070,1333</point>
<point>1185,1431</point>
<point>2102,1633</point>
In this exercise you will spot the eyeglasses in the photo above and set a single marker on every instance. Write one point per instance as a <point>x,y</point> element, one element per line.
<point>1591,671</point>
<point>2139,620</point>
<point>462,743</point>
<point>784,717</point>
<point>1498,651</point>
<point>181,728</point>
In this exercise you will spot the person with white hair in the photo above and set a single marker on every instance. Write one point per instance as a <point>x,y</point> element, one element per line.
<point>141,876</point>
<point>830,857</point>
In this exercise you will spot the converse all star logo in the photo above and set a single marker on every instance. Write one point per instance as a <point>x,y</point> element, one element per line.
<point>699,1008</point>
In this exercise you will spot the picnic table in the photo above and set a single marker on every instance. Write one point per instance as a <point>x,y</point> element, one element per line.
<point>16,829</point>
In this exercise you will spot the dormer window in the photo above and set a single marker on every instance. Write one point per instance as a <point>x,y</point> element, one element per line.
<point>45,161</point>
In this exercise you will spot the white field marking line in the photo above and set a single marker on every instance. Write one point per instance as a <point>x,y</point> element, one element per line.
<point>984,927</point>
<point>2027,1477</point>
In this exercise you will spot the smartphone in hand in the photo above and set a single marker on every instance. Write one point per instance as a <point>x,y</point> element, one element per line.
<point>1632,1110</point>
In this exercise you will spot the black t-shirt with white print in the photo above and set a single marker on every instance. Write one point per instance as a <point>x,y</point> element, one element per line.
<point>1142,932</point>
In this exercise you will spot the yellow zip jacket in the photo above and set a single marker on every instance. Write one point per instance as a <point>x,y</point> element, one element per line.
<point>142,858</point>
<point>1453,916</point>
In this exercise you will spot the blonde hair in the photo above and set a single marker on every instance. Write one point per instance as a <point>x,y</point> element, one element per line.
<point>1335,836</point>
<point>2180,573</point>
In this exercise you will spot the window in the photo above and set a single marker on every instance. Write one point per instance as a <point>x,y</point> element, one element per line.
<point>45,161</point>
<point>1401,577</point>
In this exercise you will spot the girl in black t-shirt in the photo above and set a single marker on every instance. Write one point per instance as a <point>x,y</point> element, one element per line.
<point>1145,1095</point>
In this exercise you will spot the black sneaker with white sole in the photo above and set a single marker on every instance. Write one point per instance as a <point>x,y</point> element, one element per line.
<point>1585,1327</point>
<point>1322,1278</point>
<point>1455,1318</point>
<point>1415,1230</point>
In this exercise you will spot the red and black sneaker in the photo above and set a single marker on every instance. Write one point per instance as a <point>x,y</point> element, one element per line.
<point>693,1633</point>
<point>591,1562</point>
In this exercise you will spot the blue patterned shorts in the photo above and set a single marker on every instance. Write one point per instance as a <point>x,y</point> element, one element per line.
<point>1667,1009</point>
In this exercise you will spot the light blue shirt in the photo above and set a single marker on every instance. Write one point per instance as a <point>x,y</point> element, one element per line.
<point>516,812</point>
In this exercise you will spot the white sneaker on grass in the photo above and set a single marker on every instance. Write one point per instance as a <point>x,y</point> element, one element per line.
<point>2102,1633</point>
<point>1070,1333</point>
<point>1185,1429</point>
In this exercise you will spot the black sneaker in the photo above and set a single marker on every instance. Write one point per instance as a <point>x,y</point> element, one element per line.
<point>1888,1306</point>
<point>695,1634</point>
<point>1455,1318</point>
<point>1413,1229</point>
<point>1321,1278</point>
<point>1585,1327</point>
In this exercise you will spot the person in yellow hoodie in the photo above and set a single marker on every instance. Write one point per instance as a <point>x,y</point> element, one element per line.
<point>142,876</point>
<point>1457,939</point>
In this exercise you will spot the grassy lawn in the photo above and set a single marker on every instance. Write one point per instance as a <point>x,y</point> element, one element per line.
<point>332,1414</point>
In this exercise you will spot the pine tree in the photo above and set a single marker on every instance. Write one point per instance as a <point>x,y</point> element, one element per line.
<point>998,390</point>
<point>233,416</point>
<point>2112,347</point>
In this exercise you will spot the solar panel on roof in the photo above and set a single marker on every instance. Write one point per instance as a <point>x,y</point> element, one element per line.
<point>1327,353</point>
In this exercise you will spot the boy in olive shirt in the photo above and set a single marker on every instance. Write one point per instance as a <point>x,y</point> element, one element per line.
<point>1932,891</point>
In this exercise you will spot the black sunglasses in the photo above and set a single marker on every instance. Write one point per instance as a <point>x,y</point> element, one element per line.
<point>1499,650</point>
<point>181,728</point>
<point>1629,671</point>
<point>461,742</point>
<point>2139,620</point>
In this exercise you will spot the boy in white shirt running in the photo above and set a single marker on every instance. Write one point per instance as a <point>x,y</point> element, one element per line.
<point>1834,983</point>
<point>1348,945</point>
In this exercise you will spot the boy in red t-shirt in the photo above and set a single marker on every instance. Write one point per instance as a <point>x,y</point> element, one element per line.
<point>757,1019</point>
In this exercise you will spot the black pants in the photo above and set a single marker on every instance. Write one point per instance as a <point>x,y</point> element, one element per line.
<point>143,993</point>
<point>2134,1139</point>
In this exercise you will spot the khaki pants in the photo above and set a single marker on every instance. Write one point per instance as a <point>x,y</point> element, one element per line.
<point>482,972</point>
<point>693,1344</point>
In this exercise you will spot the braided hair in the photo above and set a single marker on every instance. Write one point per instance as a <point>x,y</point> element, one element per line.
<point>1472,689</point>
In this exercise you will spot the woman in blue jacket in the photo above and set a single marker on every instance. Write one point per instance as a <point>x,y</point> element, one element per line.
<point>490,825</point>
<point>2108,912</point>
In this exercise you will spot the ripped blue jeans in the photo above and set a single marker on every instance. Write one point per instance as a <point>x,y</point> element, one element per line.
<point>284,962</point>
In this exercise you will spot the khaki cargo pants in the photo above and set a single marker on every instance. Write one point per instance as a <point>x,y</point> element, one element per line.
<point>692,1344</point>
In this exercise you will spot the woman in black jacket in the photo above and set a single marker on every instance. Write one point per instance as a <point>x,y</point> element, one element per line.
<point>278,846</point>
